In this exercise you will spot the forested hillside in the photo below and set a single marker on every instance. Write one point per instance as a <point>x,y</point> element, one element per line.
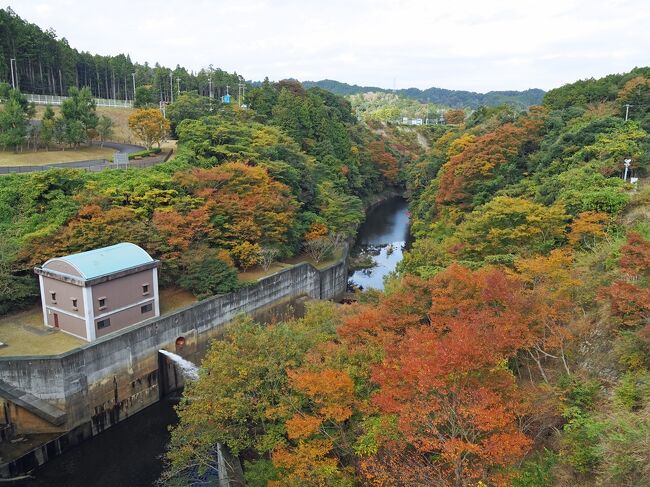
<point>48,65</point>
<point>246,185</point>
<point>441,96</point>
<point>511,350</point>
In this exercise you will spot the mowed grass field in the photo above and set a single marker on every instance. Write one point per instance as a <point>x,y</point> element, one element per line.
<point>121,133</point>
<point>31,158</point>
<point>120,117</point>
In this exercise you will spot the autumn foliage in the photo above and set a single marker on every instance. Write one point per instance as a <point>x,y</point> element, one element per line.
<point>446,343</point>
<point>629,296</point>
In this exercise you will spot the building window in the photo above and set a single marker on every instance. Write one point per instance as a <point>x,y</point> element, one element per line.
<point>146,308</point>
<point>145,289</point>
<point>102,303</point>
<point>53,295</point>
<point>103,323</point>
<point>74,303</point>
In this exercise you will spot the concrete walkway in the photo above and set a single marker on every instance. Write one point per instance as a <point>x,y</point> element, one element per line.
<point>91,165</point>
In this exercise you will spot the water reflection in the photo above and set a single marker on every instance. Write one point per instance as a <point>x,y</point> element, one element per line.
<point>383,237</point>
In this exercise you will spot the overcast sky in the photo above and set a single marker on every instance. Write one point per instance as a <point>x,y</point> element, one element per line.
<point>477,45</point>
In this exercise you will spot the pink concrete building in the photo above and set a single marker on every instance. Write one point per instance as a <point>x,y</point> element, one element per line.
<point>94,293</point>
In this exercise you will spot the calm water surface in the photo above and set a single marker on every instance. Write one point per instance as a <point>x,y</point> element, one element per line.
<point>125,455</point>
<point>384,235</point>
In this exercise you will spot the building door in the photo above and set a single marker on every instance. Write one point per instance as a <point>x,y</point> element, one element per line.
<point>56,320</point>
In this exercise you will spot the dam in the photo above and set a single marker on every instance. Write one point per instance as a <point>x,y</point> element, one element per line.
<point>70,397</point>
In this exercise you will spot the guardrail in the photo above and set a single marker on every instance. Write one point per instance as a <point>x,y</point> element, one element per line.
<point>90,165</point>
<point>58,100</point>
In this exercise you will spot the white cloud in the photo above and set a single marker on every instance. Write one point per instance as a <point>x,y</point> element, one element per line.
<point>463,44</point>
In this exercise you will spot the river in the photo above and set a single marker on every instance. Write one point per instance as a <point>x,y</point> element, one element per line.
<point>125,455</point>
<point>382,237</point>
<point>129,453</point>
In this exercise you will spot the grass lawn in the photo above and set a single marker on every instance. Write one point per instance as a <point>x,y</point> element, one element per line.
<point>173,298</point>
<point>25,334</point>
<point>30,158</point>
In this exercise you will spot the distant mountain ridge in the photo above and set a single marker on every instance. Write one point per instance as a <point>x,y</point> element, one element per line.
<point>441,96</point>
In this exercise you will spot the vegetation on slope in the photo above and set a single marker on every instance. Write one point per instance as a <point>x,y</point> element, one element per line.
<point>512,349</point>
<point>245,184</point>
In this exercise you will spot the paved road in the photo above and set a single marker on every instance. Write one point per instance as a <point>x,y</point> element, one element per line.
<point>92,164</point>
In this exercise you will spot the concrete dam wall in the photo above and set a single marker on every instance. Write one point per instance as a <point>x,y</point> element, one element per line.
<point>81,392</point>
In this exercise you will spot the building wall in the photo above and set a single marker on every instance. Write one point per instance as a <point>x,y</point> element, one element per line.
<point>61,266</point>
<point>122,292</point>
<point>126,317</point>
<point>117,375</point>
<point>70,320</point>
<point>65,293</point>
<point>70,324</point>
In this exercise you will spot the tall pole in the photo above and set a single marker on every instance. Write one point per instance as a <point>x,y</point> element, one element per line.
<point>171,87</point>
<point>12,61</point>
<point>178,86</point>
<point>133,76</point>
<point>210,87</point>
<point>627,110</point>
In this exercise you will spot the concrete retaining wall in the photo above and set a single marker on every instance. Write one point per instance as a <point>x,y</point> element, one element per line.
<point>105,381</point>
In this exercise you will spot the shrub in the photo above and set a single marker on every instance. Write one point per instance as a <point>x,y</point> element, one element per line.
<point>208,275</point>
<point>633,390</point>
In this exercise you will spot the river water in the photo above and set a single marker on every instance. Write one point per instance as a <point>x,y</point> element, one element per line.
<point>383,237</point>
<point>129,453</point>
<point>125,455</point>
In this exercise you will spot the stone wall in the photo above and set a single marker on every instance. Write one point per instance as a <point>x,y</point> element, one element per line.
<point>103,382</point>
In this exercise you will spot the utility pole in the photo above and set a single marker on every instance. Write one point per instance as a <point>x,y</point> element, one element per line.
<point>178,86</point>
<point>210,87</point>
<point>133,76</point>
<point>171,87</point>
<point>12,63</point>
<point>627,110</point>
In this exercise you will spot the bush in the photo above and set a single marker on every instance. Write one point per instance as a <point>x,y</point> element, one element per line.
<point>632,351</point>
<point>207,275</point>
<point>633,390</point>
<point>581,440</point>
<point>536,472</point>
<point>626,451</point>
<point>144,153</point>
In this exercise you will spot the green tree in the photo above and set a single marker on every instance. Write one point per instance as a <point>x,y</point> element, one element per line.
<point>205,274</point>
<point>145,97</point>
<point>47,127</point>
<point>509,226</point>
<point>104,129</point>
<point>79,113</point>
<point>13,124</point>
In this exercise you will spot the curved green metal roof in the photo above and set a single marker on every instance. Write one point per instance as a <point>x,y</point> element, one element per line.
<point>106,260</point>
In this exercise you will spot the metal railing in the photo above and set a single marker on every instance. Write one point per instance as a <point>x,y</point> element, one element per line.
<point>58,100</point>
<point>93,165</point>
